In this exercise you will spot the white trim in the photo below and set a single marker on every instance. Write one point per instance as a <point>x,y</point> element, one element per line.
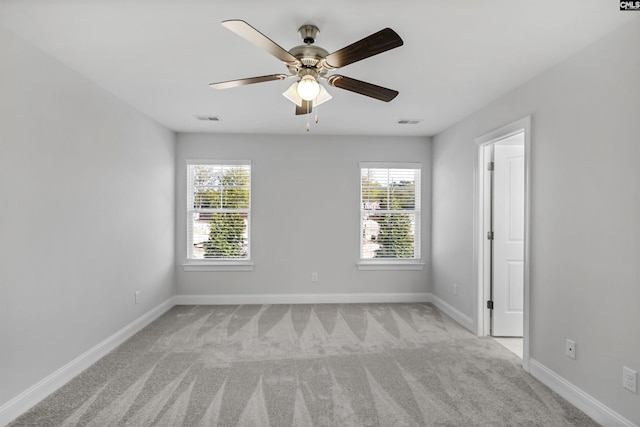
<point>43,388</point>
<point>390,165</point>
<point>416,212</point>
<point>464,320</point>
<point>301,298</point>
<point>219,266</point>
<point>217,162</point>
<point>588,404</point>
<point>191,210</point>
<point>522,125</point>
<point>390,266</point>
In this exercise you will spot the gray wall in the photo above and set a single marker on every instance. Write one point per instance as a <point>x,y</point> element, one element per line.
<point>305,213</point>
<point>585,201</point>
<point>86,215</point>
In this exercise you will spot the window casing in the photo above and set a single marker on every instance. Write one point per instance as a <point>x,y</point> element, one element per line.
<point>390,213</point>
<point>218,212</point>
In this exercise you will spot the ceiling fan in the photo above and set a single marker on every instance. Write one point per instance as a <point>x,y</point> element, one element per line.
<point>309,63</point>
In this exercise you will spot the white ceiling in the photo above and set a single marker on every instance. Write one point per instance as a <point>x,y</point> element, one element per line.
<point>160,55</point>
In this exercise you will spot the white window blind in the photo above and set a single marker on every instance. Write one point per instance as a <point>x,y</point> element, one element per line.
<point>218,211</point>
<point>390,211</point>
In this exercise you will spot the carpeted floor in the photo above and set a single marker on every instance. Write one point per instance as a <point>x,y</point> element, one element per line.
<point>303,365</point>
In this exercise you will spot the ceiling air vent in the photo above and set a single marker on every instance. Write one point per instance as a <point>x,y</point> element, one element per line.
<point>208,118</point>
<point>409,121</point>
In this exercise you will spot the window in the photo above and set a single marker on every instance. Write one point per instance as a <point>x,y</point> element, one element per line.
<point>389,213</point>
<point>218,211</point>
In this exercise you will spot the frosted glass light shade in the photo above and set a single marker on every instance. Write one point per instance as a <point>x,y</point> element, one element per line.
<point>323,97</point>
<point>292,95</point>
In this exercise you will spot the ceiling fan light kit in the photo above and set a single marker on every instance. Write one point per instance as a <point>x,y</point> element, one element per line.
<point>308,88</point>
<point>309,63</point>
<point>292,95</point>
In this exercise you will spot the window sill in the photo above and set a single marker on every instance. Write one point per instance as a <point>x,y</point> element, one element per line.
<point>390,265</point>
<point>218,266</point>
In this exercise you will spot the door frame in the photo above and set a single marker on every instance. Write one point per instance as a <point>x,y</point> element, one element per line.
<point>480,258</point>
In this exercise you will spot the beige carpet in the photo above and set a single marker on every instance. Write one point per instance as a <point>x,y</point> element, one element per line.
<point>303,365</point>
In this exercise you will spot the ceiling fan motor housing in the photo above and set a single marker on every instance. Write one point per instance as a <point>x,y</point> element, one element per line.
<point>309,56</point>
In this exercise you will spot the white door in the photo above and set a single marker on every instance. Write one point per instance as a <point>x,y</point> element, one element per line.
<point>508,238</point>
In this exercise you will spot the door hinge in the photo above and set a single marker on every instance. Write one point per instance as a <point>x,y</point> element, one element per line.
<point>491,166</point>
<point>490,305</point>
<point>490,235</point>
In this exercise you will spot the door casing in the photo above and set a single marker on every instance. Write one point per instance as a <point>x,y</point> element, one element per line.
<point>481,247</point>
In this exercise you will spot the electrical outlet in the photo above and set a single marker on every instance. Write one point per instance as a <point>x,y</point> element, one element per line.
<point>314,277</point>
<point>455,289</point>
<point>136,297</point>
<point>571,349</point>
<point>630,379</point>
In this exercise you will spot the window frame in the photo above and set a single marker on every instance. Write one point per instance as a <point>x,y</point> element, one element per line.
<point>212,264</point>
<point>414,263</point>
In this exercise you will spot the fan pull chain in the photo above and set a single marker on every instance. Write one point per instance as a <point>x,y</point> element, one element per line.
<point>308,112</point>
<point>316,115</point>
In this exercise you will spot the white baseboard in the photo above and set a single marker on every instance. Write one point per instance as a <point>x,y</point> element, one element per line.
<point>43,388</point>
<point>464,320</point>
<point>597,410</point>
<point>301,298</point>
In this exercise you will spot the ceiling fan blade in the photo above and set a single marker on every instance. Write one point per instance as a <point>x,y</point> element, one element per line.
<point>254,36</point>
<point>251,80</point>
<point>374,44</point>
<point>363,88</point>
<point>305,108</point>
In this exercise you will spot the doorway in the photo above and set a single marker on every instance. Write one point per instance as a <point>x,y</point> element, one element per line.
<point>502,233</point>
